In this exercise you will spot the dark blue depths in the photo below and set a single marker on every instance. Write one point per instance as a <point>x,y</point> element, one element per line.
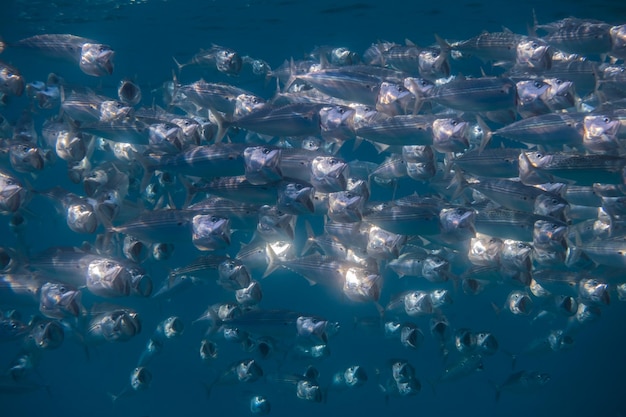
<point>586,380</point>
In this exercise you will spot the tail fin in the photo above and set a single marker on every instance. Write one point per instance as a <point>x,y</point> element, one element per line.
<point>179,66</point>
<point>487,134</point>
<point>273,262</point>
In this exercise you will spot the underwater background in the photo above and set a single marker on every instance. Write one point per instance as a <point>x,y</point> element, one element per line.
<point>586,380</point>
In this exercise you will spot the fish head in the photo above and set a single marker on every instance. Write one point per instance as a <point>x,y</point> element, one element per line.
<point>76,170</point>
<point>342,56</point>
<point>250,295</point>
<point>276,225</point>
<point>618,40</point>
<point>601,133</point>
<point>262,164</point>
<point>551,205</point>
<point>140,378</point>
<point>134,249</point>
<point>450,135</point>
<point>208,349</point>
<point>26,158</point>
<point>108,278</point>
<point>549,234</point>
<point>228,61</point>
<point>309,391</point>
<point>140,281</point>
<point>81,218</point>
<point>210,232</point>
<point>464,340</point>
<point>248,371</point>
<point>433,63</point>
<point>440,297</point>
<point>594,291</point>
<point>417,303</point>
<point>534,53</point>
<point>561,92</point>
<point>355,376</point>
<point>126,324</point>
<point>58,300</point>
<point>329,174</point>
<point>129,93</point>
<point>260,405</point>
<point>173,327</point>
<point>312,328</point>
<point>70,147</point>
<point>382,244</point>
<point>47,334</point>
<point>96,59</point>
<point>345,206</point>
<point>419,87</point>
<point>402,371</point>
<point>362,286</point>
<point>246,104</point>
<point>233,274</point>
<point>421,171</point>
<point>11,328</point>
<point>484,250</point>
<point>12,193</point>
<point>457,219</point>
<point>11,81</point>
<point>296,197</point>
<point>516,254</point>
<point>337,122</point>
<point>587,313</point>
<point>363,114</point>
<point>394,99</point>
<point>165,136</point>
<point>411,336</point>
<point>566,304</point>
<point>519,303</point>
<point>111,110</point>
<point>486,343</point>
<point>440,327</point>
<point>529,91</point>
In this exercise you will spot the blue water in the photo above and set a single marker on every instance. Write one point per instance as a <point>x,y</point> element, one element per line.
<point>587,380</point>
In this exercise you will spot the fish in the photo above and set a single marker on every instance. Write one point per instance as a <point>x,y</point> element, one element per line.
<point>522,382</point>
<point>93,58</point>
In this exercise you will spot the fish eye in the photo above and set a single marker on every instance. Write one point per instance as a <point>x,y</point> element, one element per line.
<point>341,110</point>
<point>62,289</point>
<point>559,81</point>
<point>454,123</point>
<point>538,84</point>
<point>606,120</point>
<point>13,325</point>
<point>265,151</point>
<point>214,219</point>
<point>108,265</point>
<point>332,161</point>
<point>535,45</point>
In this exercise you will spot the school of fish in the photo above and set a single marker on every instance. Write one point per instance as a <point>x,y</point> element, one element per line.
<point>397,179</point>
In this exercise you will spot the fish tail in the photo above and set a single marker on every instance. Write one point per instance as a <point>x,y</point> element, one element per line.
<point>292,75</point>
<point>273,262</point>
<point>222,124</point>
<point>310,239</point>
<point>179,66</point>
<point>487,134</point>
